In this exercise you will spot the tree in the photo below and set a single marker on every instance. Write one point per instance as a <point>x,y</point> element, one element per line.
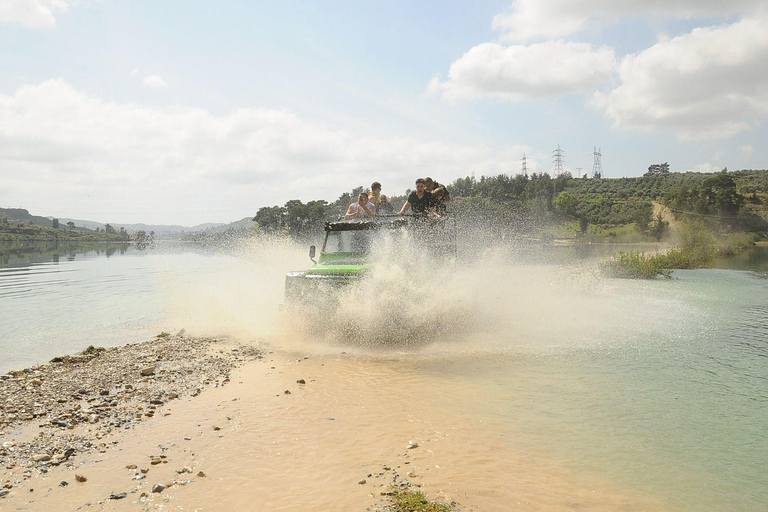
<point>144,241</point>
<point>270,218</point>
<point>55,223</point>
<point>657,169</point>
<point>720,194</point>
<point>566,204</point>
<point>109,229</point>
<point>658,228</point>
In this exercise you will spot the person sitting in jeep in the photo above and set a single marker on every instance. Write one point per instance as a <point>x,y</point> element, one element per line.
<point>441,200</point>
<point>421,200</point>
<point>432,185</point>
<point>374,196</point>
<point>385,207</point>
<point>362,209</point>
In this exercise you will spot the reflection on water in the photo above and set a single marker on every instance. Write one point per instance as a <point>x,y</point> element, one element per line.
<point>15,254</point>
<point>755,259</point>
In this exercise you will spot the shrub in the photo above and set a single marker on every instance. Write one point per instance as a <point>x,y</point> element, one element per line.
<point>697,243</point>
<point>732,244</point>
<point>636,265</point>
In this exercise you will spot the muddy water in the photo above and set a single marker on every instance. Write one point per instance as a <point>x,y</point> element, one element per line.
<point>525,386</point>
<point>355,419</point>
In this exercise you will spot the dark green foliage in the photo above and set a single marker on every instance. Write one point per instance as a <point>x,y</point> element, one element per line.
<point>658,228</point>
<point>17,231</point>
<point>143,240</point>
<point>658,169</point>
<point>721,196</point>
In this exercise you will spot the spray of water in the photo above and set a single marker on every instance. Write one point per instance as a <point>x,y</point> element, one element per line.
<point>488,297</point>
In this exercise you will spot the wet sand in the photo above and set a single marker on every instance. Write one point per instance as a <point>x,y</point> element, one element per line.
<point>263,440</point>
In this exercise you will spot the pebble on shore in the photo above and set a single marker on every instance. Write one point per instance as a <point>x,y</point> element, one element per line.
<point>105,389</point>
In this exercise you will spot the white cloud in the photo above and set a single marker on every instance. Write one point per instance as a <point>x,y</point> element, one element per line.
<point>519,73</point>
<point>705,167</point>
<point>710,83</point>
<point>33,13</point>
<point>155,81</point>
<point>530,19</point>
<point>63,149</point>
<point>135,71</point>
<point>746,150</point>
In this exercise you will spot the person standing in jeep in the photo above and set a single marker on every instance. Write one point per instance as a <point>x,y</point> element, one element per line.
<point>420,200</point>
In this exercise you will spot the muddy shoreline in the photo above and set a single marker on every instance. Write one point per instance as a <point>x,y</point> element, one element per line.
<point>186,423</point>
<point>92,429</point>
<point>75,405</point>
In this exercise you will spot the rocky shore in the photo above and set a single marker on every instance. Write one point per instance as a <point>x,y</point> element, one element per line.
<point>72,405</point>
<point>141,427</point>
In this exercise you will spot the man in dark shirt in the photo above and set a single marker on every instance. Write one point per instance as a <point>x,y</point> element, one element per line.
<point>420,200</point>
<point>432,185</point>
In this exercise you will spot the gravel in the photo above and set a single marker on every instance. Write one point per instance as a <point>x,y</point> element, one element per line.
<point>75,401</point>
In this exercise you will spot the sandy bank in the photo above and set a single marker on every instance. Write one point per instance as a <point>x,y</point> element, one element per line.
<point>125,428</point>
<point>250,430</point>
<point>54,415</point>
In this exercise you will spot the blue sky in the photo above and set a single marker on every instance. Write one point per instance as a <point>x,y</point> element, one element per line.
<point>188,112</point>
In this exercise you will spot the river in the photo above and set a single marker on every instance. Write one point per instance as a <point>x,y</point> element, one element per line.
<point>550,377</point>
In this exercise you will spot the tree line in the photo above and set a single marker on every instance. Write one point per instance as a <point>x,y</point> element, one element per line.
<point>525,204</point>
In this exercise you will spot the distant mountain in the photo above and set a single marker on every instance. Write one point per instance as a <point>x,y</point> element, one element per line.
<point>237,229</point>
<point>21,215</point>
<point>244,224</point>
<point>159,229</point>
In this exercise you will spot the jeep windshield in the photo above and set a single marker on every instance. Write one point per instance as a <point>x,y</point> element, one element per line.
<point>358,242</point>
<point>355,242</point>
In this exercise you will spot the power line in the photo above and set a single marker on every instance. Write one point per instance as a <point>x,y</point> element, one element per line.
<point>597,166</point>
<point>558,161</point>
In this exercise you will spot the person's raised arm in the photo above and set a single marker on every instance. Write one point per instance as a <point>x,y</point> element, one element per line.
<point>404,208</point>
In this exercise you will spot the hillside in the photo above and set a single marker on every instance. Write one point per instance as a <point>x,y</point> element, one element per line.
<point>159,229</point>
<point>22,216</point>
<point>10,231</point>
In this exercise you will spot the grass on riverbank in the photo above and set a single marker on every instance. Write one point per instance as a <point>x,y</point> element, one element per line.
<point>416,501</point>
<point>697,248</point>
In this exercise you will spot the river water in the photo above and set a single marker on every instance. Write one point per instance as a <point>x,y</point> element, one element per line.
<point>656,389</point>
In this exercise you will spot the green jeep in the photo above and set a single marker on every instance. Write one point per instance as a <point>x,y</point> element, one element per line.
<point>351,248</point>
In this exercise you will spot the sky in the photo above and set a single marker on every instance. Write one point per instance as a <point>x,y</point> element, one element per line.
<point>185,112</point>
